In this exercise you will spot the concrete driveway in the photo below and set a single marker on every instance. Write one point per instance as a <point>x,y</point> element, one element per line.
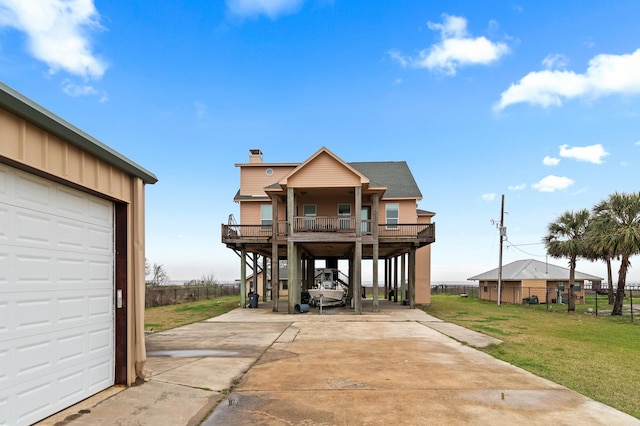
<point>398,366</point>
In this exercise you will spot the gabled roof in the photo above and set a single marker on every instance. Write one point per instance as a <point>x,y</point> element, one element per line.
<point>531,269</point>
<point>27,109</point>
<point>394,175</point>
<point>321,151</point>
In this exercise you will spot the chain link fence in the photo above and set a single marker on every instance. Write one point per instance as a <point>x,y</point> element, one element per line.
<point>171,295</point>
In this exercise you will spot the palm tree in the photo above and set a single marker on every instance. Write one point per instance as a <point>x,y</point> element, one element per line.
<point>593,254</point>
<point>616,230</point>
<point>565,238</point>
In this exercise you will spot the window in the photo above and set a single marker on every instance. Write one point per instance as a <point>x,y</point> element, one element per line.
<point>266,216</point>
<point>393,215</point>
<point>344,213</point>
<point>309,211</point>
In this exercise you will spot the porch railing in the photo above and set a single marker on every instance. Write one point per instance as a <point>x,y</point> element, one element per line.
<point>421,231</point>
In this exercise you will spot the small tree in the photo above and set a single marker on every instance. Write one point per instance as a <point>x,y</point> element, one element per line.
<point>158,275</point>
<point>565,238</point>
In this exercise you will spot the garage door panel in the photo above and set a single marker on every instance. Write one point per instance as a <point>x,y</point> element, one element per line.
<point>49,311</point>
<point>33,192</point>
<point>33,357</point>
<point>35,228</point>
<point>36,399</point>
<point>56,296</point>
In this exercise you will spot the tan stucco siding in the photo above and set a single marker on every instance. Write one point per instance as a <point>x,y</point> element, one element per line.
<point>27,144</point>
<point>534,288</point>
<point>253,180</point>
<point>324,172</point>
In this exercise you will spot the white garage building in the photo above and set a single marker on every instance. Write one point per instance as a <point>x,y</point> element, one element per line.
<point>71,263</point>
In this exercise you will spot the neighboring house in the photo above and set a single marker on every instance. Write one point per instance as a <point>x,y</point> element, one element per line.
<point>71,263</point>
<point>527,278</point>
<point>327,209</point>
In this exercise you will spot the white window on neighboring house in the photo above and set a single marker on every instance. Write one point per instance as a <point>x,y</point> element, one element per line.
<point>266,216</point>
<point>344,216</point>
<point>392,215</point>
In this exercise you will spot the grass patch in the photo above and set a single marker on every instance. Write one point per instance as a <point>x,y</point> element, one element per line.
<point>166,317</point>
<point>596,356</point>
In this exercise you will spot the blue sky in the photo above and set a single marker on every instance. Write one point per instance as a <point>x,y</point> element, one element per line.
<point>539,101</point>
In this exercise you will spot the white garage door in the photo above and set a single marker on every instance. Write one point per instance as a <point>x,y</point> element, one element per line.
<point>56,296</point>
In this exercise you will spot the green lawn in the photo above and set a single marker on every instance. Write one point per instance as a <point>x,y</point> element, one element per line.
<point>596,356</point>
<point>165,317</point>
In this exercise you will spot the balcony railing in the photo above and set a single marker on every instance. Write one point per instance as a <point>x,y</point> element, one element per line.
<point>422,232</point>
<point>324,224</point>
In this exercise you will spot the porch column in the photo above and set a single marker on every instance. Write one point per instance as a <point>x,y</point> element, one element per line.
<point>275,261</point>
<point>264,278</point>
<point>395,279</point>
<point>293,264</point>
<point>357,256</point>
<point>311,272</point>
<point>350,269</point>
<point>412,278</point>
<point>387,280</point>
<point>403,281</point>
<point>243,277</point>
<point>376,250</point>
<point>254,281</point>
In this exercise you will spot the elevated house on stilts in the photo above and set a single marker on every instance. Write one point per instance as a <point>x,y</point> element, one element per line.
<point>327,209</point>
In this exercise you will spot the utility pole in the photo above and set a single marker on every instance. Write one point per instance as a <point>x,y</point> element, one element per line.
<point>503,234</point>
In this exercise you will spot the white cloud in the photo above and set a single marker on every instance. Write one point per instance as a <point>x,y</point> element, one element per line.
<point>517,187</point>
<point>550,161</point>
<point>605,75</point>
<point>455,49</point>
<point>555,61</point>
<point>271,8</point>
<point>552,183</point>
<point>591,154</point>
<point>488,197</point>
<point>76,90</point>
<point>57,33</point>
<point>638,143</point>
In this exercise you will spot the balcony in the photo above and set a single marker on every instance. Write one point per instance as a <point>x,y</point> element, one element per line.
<point>329,228</point>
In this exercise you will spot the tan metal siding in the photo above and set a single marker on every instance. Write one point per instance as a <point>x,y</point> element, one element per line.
<point>27,144</point>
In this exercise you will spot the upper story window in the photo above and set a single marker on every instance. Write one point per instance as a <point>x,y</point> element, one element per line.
<point>344,213</point>
<point>392,215</point>
<point>266,216</point>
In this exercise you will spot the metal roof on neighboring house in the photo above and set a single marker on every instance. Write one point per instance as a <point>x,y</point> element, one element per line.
<point>531,269</point>
<point>20,105</point>
<point>394,175</point>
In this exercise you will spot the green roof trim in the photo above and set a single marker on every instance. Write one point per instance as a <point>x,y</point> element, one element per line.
<point>20,105</point>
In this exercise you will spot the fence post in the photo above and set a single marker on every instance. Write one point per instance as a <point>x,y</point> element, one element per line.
<point>631,300</point>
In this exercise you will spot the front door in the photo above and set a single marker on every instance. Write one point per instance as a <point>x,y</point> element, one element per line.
<point>365,216</point>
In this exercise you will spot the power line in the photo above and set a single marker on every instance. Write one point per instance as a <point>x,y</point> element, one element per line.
<point>527,253</point>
